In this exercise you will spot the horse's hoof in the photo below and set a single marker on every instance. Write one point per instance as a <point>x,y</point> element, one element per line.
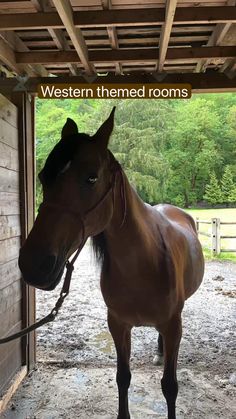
<point>158,360</point>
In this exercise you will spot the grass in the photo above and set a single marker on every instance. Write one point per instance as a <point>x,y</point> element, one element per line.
<point>225,214</point>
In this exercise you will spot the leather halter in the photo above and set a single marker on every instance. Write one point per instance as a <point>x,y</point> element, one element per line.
<point>116,170</point>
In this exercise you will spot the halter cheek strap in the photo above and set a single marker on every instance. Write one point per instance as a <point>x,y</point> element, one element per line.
<point>70,264</point>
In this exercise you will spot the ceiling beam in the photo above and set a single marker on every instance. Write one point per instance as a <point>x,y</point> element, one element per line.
<point>57,35</point>
<point>16,44</point>
<point>137,17</point>
<point>7,56</point>
<point>211,81</point>
<point>165,32</point>
<point>112,35</point>
<point>62,44</point>
<point>215,39</point>
<point>135,56</point>
<point>65,12</point>
<point>122,17</point>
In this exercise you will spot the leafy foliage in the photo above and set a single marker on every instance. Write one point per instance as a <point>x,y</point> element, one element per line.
<point>172,150</point>
<point>213,192</point>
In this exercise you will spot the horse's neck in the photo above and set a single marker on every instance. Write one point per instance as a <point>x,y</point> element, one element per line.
<point>130,226</point>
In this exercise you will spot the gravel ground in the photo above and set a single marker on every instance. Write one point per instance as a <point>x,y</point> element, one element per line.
<point>75,375</point>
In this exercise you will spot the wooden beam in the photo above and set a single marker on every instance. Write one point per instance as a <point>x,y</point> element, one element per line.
<point>128,56</point>
<point>65,12</point>
<point>120,17</point>
<point>112,35</point>
<point>215,39</point>
<point>211,81</point>
<point>16,44</point>
<point>30,21</point>
<point>57,35</point>
<point>63,45</point>
<point>137,17</point>
<point>15,383</point>
<point>166,31</point>
<point>7,56</point>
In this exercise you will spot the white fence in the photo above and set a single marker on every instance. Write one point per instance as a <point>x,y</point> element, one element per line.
<point>216,235</point>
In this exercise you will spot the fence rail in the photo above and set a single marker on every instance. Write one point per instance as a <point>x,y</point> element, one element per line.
<point>215,234</point>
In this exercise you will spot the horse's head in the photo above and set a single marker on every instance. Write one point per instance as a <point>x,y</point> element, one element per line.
<point>77,180</point>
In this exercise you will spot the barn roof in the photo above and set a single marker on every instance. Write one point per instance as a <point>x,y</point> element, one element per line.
<point>85,38</point>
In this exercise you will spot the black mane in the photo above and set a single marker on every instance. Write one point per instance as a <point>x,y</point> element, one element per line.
<point>99,245</point>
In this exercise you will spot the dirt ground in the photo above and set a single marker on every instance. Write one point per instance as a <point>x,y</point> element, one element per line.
<point>76,362</point>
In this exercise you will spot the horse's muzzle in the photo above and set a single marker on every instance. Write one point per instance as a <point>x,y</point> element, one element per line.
<point>43,273</point>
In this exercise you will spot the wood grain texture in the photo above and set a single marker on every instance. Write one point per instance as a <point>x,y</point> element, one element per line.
<point>12,388</point>
<point>9,249</point>
<point>9,367</point>
<point>9,204</point>
<point>9,180</point>
<point>9,226</point>
<point>8,111</point>
<point>8,134</point>
<point>9,273</point>
<point>10,346</point>
<point>9,157</point>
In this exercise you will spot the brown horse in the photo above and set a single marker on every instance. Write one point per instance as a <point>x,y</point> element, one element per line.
<point>151,257</point>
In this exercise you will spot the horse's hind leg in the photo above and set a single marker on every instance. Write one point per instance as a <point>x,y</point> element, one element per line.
<point>171,338</point>
<point>158,358</point>
<point>121,334</point>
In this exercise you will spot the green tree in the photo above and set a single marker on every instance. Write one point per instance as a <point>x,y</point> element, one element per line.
<point>228,186</point>
<point>193,151</point>
<point>213,193</point>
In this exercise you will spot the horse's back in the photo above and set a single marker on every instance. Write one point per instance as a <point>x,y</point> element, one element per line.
<point>180,237</point>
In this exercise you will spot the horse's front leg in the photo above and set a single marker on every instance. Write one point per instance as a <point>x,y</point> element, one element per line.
<point>171,338</point>
<point>122,339</point>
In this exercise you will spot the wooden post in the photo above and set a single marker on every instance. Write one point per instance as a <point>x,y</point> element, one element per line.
<point>215,236</point>
<point>197,225</point>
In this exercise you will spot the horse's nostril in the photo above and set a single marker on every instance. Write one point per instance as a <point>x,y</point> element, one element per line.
<point>48,264</point>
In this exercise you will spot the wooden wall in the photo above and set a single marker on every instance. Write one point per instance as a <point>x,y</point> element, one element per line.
<point>10,240</point>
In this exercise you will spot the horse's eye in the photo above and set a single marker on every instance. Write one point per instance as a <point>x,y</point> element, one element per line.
<point>92,179</point>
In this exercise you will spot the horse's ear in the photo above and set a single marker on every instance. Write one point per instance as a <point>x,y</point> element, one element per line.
<point>70,128</point>
<point>103,133</point>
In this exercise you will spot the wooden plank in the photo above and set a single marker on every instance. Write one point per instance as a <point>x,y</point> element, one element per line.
<point>216,38</point>
<point>27,183</point>
<point>10,295</point>
<point>57,35</point>
<point>30,21</point>
<point>166,31</point>
<point>183,15</point>
<point>8,134</point>
<point>9,226</point>
<point>9,249</point>
<point>8,112</point>
<point>120,17</point>
<point>128,55</point>
<point>9,157</point>
<point>9,180</point>
<point>9,367</point>
<point>65,12</point>
<point>211,81</point>
<point>16,381</point>
<point>9,204</point>
<point>228,250</point>
<point>9,273</point>
<point>9,347</point>
<point>7,56</point>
